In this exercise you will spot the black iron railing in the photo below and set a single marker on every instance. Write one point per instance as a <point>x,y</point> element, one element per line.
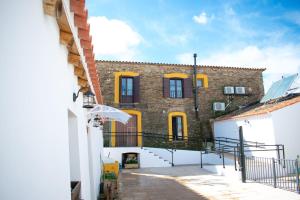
<point>279,173</point>
<point>143,139</point>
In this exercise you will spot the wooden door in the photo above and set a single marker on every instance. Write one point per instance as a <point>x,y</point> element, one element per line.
<point>126,135</point>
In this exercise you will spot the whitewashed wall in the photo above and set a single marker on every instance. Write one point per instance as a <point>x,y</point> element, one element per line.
<point>255,128</point>
<point>36,94</point>
<point>287,129</point>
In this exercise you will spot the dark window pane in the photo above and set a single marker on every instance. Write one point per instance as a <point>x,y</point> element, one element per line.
<point>129,86</point>
<point>176,88</point>
<point>179,88</point>
<point>172,89</point>
<point>179,127</point>
<point>123,86</point>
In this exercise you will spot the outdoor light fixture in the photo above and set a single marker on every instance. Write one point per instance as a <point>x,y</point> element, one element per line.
<point>97,121</point>
<point>88,98</point>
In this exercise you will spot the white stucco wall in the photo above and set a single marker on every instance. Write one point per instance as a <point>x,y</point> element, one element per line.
<point>255,128</point>
<point>36,93</point>
<point>287,129</point>
<point>146,159</point>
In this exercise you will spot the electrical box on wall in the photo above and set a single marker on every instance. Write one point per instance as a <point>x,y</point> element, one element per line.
<point>228,90</point>
<point>240,90</point>
<point>219,106</point>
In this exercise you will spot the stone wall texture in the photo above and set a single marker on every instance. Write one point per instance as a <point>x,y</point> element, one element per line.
<point>155,107</point>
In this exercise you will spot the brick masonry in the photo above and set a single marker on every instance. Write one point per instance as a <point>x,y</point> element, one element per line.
<point>155,107</point>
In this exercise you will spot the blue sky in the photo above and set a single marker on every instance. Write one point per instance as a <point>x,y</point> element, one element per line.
<point>254,33</point>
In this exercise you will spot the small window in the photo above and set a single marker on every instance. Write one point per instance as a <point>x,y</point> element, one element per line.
<point>176,88</point>
<point>127,86</point>
<point>200,83</point>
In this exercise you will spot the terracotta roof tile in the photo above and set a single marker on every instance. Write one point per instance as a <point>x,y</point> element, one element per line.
<point>80,19</point>
<point>181,65</point>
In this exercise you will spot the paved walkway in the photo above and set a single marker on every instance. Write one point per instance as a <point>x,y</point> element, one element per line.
<point>191,182</point>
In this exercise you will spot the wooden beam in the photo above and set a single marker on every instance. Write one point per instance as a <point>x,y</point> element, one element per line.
<point>50,7</point>
<point>78,72</point>
<point>73,59</point>
<point>82,82</point>
<point>65,37</point>
<point>62,20</point>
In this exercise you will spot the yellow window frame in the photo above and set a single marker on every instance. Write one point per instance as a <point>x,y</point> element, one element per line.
<point>204,78</point>
<point>170,126</point>
<point>117,83</point>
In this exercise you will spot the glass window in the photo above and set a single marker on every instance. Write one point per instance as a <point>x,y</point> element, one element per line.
<point>176,88</point>
<point>179,88</point>
<point>199,82</point>
<point>177,128</point>
<point>127,86</point>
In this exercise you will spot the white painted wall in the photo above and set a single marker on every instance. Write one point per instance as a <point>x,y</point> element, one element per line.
<point>95,145</point>
<point>36,93</point>
<point>180,157</point>
<point>278,127</point>
<point>286,129</point>
<point>255,128</point>
<point>147,159</point>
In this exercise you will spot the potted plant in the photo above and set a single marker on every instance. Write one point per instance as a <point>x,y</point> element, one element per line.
<point>131,164</point>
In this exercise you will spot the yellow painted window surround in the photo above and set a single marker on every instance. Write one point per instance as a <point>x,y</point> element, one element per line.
<point>117,83</point>
<point>204,78</point>
<point>176,75</point>
<point>170,128</point>
<point>138,115</point>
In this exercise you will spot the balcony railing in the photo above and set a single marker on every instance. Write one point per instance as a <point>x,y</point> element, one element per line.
<point>131,139</point>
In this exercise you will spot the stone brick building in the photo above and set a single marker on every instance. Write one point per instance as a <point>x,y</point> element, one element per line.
<point>161,96</point>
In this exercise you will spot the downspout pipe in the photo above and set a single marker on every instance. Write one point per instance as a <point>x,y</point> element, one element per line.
<point>195,87</point>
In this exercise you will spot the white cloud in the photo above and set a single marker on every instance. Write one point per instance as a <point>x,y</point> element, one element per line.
<point>279,61</point>
<point>112,37</point>
<point>201,18</point>
<point>293,17</point>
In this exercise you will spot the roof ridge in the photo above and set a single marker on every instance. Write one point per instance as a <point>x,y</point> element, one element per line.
<point>175,64</point>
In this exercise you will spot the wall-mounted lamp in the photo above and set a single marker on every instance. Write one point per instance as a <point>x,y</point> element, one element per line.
<point>88,98</point>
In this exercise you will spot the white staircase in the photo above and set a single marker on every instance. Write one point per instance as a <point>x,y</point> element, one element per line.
<point>147,157</point>
<point>154,159</point>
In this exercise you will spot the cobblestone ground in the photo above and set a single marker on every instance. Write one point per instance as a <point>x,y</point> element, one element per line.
<point>191,182</point>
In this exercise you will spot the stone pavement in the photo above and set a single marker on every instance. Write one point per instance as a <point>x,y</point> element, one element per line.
<point>191,182</point>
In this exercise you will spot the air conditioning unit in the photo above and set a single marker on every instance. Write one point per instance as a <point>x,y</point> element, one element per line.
<point>219,106</point>
<point>228,90</point>
<point>240,90</point>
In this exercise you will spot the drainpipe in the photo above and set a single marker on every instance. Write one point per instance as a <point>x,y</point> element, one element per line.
<point>195,87</point>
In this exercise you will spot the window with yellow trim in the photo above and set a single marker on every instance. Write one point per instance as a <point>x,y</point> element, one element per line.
<point>177,122</point>
<point>202,81</point>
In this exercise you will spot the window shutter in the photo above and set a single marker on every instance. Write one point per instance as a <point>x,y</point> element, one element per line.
<point>136,89</point>
<point>187,88</point>
<point>166,87</point>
